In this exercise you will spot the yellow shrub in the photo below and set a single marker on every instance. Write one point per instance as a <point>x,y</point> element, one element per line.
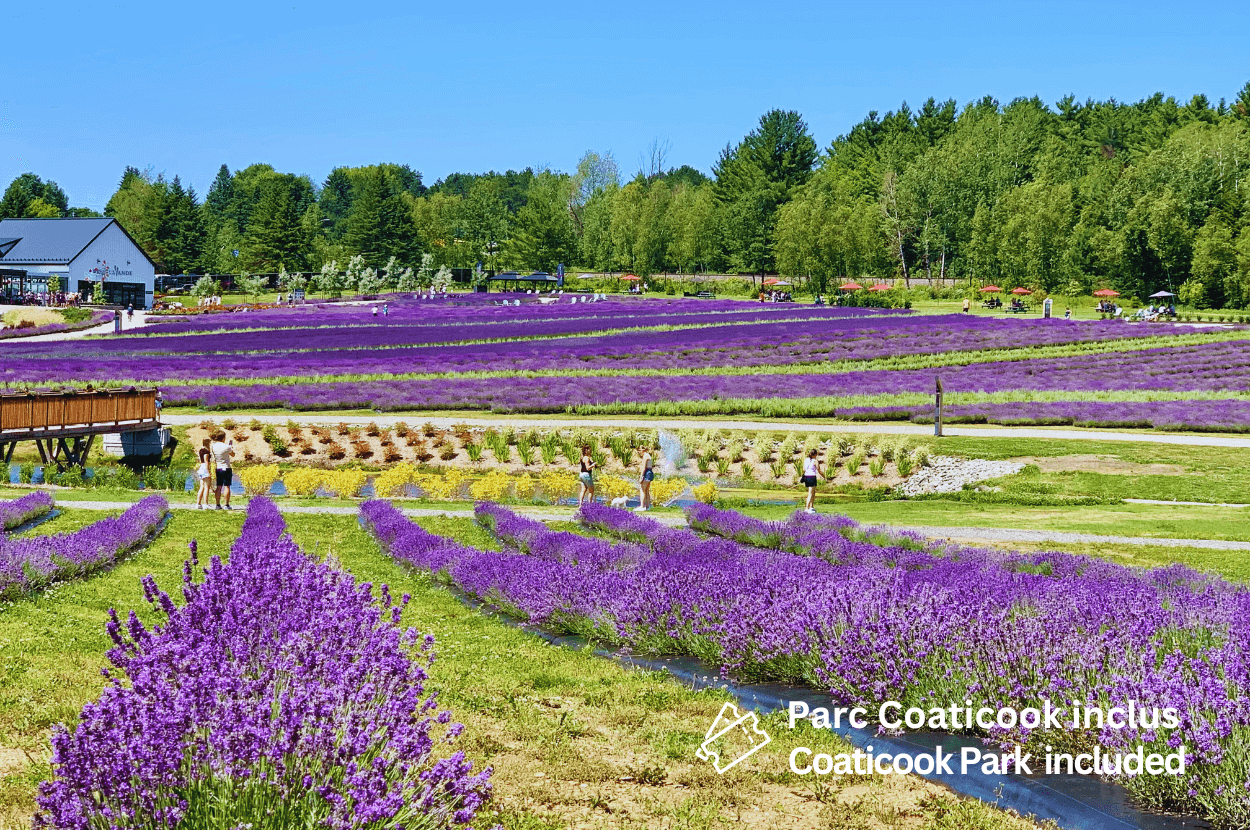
<point>392,482</point>
<point>344,483</point>
<point>706,492</point>
<point>523,487</point>
<point>303,482</point>
<point>667,489</point>
<point>442,487</point>
<point>558,485</point>
<point>491,487</point>
<point>613,487</point>
<point>258,480</point>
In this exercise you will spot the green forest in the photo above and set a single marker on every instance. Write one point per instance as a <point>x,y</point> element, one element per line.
<point>1063,198</point>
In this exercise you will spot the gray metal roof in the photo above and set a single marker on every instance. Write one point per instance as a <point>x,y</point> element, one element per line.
<point>49,241</point>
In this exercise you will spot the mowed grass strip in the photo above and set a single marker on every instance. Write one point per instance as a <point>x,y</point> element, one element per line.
<point>576,740</point>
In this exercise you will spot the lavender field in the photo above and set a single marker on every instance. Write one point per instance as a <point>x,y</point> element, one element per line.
<point>869,615</point>
<point>668,357</point>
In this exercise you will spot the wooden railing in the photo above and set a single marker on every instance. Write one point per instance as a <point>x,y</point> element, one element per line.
<point>53,411</point>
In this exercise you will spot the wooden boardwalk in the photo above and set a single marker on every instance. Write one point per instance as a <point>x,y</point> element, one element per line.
<point>64,424</point>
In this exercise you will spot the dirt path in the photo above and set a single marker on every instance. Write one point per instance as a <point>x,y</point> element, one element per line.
<point>813,425</point>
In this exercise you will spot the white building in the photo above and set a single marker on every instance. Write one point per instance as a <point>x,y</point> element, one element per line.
<point>78,252</point>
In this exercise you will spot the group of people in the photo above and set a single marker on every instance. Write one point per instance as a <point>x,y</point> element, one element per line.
<point>205,302</point>
<point>54,299</point>
<point>646,475</point>
<point>386,310</point>
<point>216,470</point>
<point>777,297</point>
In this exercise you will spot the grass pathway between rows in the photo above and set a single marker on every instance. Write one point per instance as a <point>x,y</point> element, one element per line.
<point>985,534</point>
<point>576,740</point>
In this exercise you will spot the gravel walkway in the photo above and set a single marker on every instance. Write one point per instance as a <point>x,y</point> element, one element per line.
<point>983,534</point>
<point>813,425</point>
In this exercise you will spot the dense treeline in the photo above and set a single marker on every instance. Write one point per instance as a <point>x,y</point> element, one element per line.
<point>1067,198</point>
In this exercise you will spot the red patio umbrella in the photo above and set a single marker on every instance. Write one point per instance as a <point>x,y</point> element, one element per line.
<point>850,286</point>
<point>631,277</point>
<point>991,289</point>
<point>880,287</point>
<point>771,281</point>
<point>1020,291</point>
<point>1106,292</point>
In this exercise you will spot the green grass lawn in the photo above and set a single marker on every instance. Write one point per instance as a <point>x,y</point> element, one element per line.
<point>575,740</point>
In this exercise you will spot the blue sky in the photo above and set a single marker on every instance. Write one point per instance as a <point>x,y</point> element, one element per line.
<point>472,86</point>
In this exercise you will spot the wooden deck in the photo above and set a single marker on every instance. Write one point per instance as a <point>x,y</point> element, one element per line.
<point>64,424</point>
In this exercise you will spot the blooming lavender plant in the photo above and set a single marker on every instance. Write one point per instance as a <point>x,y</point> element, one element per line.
<point>27,563</point>
<point>22,510</point>
<point>281,694</point>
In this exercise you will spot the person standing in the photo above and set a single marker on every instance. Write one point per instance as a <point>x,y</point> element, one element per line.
<point>811,474</point>
<point>223,453</point>
<point>644,481</point>
<point>375,312</point>
<point>203,475</point>
<point>967,305</point>
<point>386,309</point>
<point>586,476</point>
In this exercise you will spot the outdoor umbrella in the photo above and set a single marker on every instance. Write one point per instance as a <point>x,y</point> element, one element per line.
<point>1106,292</point>
<point>772,281</point>
<point>850,286</point>
<point>880,287</point>
<point>991,289</point>
<point>779,282</point>
<point>631,277</point>
<point>1020,291</point>
<point>1161,294</point>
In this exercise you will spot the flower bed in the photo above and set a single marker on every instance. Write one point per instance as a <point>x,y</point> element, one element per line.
<point>28,563</point>
<point>873,621</point>
<point>281,694</point>
<point>97,318</point>
<point>20,511</point>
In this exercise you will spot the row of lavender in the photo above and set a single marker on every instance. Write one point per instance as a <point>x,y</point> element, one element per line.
<point>1219,415</point>
<point>874,617</point>
<point>281,693</point>
<point>741,344</point>
<point>31,562</point>
<point>25,509</point>
<point>1216,368</point>
<point>365,333</point>
<point>404,312</point>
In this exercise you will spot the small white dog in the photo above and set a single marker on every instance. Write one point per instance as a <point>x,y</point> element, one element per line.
<point>620,501</point>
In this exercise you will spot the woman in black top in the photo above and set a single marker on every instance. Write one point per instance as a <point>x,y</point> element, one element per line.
<point>587,477</point>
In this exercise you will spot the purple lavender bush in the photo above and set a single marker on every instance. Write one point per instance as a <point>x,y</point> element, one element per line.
<point>872,616</point>
<point>20,511</point>
<point>281,694</point>
<point>27,563</point>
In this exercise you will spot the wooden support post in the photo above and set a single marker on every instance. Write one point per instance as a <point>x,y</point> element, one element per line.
<point>43,453</point>
<point>937,410</point>
<point>6,451</point>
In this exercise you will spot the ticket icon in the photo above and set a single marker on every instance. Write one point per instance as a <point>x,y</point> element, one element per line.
<point>733,738</point>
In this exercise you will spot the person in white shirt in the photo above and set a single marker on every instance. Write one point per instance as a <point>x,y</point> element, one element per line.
<point>811,475</point>
<point>222,453</point>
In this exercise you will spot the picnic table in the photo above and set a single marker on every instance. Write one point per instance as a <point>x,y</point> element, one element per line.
<point>1016,309</point>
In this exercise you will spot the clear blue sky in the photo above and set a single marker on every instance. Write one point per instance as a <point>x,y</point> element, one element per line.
<point>88,88</point>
